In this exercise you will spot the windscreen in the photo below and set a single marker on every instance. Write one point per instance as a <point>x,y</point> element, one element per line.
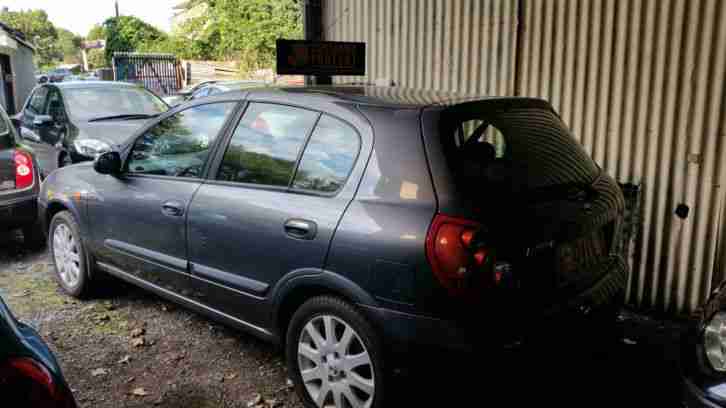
<point>96,102</point>
<point>514,149</point>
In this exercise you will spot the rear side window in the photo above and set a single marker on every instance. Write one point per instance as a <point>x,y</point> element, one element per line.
<point>514,149</point>
<point>266,144</point>
<point>328,157</point>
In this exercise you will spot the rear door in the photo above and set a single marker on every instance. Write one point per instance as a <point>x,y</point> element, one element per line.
<point>138,219</point>
<point>271,205</point>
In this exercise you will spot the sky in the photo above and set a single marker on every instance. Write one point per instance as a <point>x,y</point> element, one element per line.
<point>79,15</point>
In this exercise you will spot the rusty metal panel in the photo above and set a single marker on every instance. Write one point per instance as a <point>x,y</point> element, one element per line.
<point>641,84</point>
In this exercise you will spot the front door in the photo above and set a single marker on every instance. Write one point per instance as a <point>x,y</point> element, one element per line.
<point>271,207</point>
<point>138,219</point>
<point>33,133</point>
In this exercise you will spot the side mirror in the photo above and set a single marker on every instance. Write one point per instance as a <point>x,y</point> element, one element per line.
<point>42,120</point>
<point>108,163</point>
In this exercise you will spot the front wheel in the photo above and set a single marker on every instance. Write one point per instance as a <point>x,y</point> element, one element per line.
<point>334,356</point>
<point>69,255</point>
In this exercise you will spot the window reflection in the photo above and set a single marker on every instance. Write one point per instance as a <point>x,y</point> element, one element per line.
<point>179,145</point>
<point>265,145</point>
<point>329,156</point>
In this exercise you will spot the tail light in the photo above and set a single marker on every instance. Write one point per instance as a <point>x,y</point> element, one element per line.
<point>24,382</point>
<point>460,258</point>
<point>23,170</point>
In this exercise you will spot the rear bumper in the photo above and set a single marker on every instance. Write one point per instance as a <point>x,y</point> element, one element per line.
<point>591,307</point>
<point>18,212</point>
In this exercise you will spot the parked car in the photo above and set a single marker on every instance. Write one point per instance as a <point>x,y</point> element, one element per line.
<point>467,224</point>
<point>29,373</point>
<point>19,186</point>
<point>183,94</point>
<point>703,362</point>
<point>71,122</point>
<point>41,78</point>
<point>59,74</point>
<point>210,88</point>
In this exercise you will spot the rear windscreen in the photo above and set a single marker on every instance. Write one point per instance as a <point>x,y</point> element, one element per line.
<point>516,149</point>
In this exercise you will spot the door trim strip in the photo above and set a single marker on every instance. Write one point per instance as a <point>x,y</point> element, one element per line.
<point>266,334</point>
<point>229,280</point>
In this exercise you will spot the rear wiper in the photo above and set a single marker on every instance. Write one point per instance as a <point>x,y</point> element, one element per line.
<point>127,116</point>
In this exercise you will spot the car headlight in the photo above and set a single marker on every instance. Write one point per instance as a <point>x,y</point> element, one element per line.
<point>91,147</point>
<point>714,341</point>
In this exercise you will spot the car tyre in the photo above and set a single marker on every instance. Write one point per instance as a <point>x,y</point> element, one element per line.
<point>334,354</point>
<point>69,255</point>
<point>33,235</point>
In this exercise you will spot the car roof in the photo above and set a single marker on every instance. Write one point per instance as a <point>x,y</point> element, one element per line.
<point>386,96</point>
<point>92,84</point>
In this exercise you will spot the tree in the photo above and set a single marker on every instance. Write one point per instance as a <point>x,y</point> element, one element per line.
<point>38,30</point>
<point>96,57</point>
<point>128,33</point>
<point>246,30</point>
<point>242,30</point>
<point>69,46</point>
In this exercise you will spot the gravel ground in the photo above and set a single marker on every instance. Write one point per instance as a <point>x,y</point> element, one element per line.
<point>129,342</point>
<point>128,348</point>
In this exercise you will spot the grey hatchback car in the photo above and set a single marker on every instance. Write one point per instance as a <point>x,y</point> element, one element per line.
<point>349,223</point>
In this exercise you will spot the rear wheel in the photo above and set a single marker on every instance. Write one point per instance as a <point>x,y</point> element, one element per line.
<point>334,356</point>
<point>69,255</point>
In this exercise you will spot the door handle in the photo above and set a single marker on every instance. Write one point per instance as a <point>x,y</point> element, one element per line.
<point>301,229</point>
<point>173,208</point>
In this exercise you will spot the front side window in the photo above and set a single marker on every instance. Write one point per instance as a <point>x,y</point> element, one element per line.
<point>37,101</point>
<point>266,144</point>
<point>328,157</point>
<point>179,146</point>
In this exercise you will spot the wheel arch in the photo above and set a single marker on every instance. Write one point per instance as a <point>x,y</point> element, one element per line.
<point>297,289</point>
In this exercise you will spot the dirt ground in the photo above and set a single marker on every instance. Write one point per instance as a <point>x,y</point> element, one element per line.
<point>129,342</point>
<point>129,348</point>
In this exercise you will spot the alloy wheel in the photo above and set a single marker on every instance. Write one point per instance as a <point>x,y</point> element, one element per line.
<point>67,255</point>
<point>335,365</point>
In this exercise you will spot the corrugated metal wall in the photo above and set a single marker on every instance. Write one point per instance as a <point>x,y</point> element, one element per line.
<point>461,45</point>
<point>640,82</point>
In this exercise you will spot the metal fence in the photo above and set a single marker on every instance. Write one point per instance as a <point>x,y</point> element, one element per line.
<point>642,84</point>
<point>161,73</point>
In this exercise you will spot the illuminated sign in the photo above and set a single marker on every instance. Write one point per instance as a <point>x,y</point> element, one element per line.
<point>299,57</point>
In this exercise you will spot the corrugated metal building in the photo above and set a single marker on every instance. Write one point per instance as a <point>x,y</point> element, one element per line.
<point>640,82</point>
